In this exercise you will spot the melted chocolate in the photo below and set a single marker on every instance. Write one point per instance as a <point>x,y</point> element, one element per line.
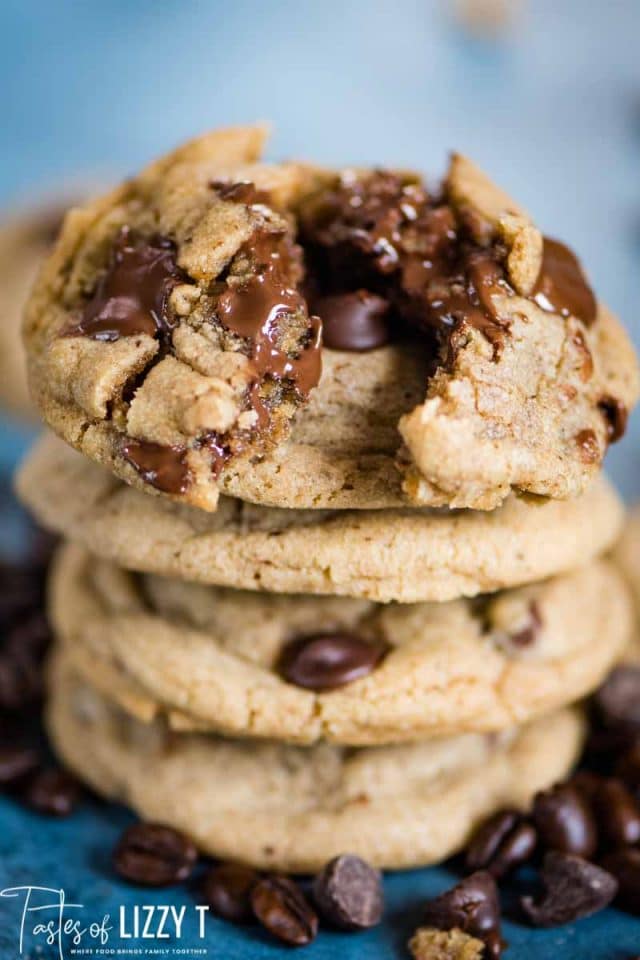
<point>240,191</point>
<point>163,467</point>
<point>616,415</point>
<point>562,286</point>
<point>131,297</point>
<point>354,321</point>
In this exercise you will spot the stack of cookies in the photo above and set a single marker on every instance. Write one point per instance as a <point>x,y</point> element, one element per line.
<point>334,524</point>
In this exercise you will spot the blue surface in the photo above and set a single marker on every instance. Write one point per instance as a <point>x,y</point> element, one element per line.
<point>93,89</point>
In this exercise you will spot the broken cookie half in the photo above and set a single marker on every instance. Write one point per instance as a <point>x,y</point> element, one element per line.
<point>175,335</point>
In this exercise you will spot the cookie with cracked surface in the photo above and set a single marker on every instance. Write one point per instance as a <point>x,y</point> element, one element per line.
<point>25,240</point>
<point>302,668</point>
<point>291,808</point>
<point>405,555</point>
<point>174,337</point>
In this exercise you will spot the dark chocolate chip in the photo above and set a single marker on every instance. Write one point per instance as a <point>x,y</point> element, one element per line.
<point>505,841</point>
<point>353,321</point>
<point>618,814</point>
<point>348,893</point>
<point>562,286</point>
<point>573,888</point>
<point>284,911</point>
<point>528,633</point>
<point>588,446</point>
<point>624,865</point>
<point>16,764</point>
<point>324,661</point>
<point>162,467</point>
<point>153,855</point>
<point>53,792</point>
<point>564,821</point>
<point>227,889</point>
<point>616,416</point>
<point>617,702</point>
<point>473,907</point>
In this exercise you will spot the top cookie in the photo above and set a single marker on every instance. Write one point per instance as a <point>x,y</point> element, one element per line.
<point>174,335</point>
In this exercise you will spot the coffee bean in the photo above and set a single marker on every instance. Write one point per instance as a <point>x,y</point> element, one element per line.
<point>564,821</point>
<point>618,814</point>
<point>53,792</point>
<point>587,783</point>
<point>471,906</point>
<point>324,661</point>
<point>348,893</point>
<point>624,865</point>
<point>627,768</point>
<point>16,764</point>
<point>617,702</point>
<point>573,888</point>
<point>501,844</point>
<point>353,321</point>
<point>283,910</point>
<point>153,855</point>
<point>227,889</point>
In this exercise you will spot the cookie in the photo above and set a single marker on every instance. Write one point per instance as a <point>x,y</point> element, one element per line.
<point>291,808</point>
<point>302,668</point>
<point>405,555</point>
<point>175,337</point>
<point>25,240</point>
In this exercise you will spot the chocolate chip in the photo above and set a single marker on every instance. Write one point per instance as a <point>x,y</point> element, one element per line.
<point>227,889</point>
<point>618,814</point>
<point>505,841</point>
<point>324,661</point>
<point>16,764</point>
<point>284,911</point>
<point>564,821</point>
<point>528,633</point>
<point>353,321</point>
<point>153,855</point>
<point>348,893</point>
<point>562,286</point>
<point>53,792</point>
<point>617,702</point>
<point>573,888</point>
<point>588,447</point>
<point>616,415</point>
<point>162,467</point>
<point>471,906</point>
<point>624,865</point>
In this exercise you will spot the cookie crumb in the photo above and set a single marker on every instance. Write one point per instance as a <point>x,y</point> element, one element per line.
<point>428,943</point>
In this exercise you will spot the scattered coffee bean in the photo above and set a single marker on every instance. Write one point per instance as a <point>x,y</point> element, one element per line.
<point>627,768</point>
<point>617,702</point>
<point>564,821</point>
<point>284,911</point>
<point>618,814</point>
<point>324,661</point>
<point>16,764</point>
<point>471,906</point>
<point>227,889</point>
<point>505,841</point>
<point>586,783</point>
<point>573,888</point>
<point>153,855</point>
<point>624,865</point>
<point>348,893</point>
<point>53,792</point>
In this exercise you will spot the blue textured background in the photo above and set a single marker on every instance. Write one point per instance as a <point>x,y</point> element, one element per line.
<point>90,90</point>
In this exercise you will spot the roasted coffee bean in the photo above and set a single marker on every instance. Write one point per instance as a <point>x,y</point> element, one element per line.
<point>284,911</point>
<point>153,855</point>
<point>617,813</point>
<point>227,889</point>
<point>353,321</point>
<point>16,764</point>
<point>573,888</point>
<point>53,792</point>
<point>617,702</point>
<point>348,893</point>
<point>586,783</point>
<point>564,821</point>
<point>324,661</point>
<point>473,907</point>
<point>628,768</point>
<point>501,844</point>
<point>624,865</point>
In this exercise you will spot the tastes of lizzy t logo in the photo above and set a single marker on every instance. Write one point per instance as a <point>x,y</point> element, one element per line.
<point>45,916</point>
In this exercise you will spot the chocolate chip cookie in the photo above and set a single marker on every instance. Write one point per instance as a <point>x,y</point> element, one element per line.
<point>280,807</point>
<point>300,668</point>
<point>407,555</point>
<point>175,336</point>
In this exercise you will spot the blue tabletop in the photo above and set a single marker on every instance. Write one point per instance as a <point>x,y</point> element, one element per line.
<point>551,108</point>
